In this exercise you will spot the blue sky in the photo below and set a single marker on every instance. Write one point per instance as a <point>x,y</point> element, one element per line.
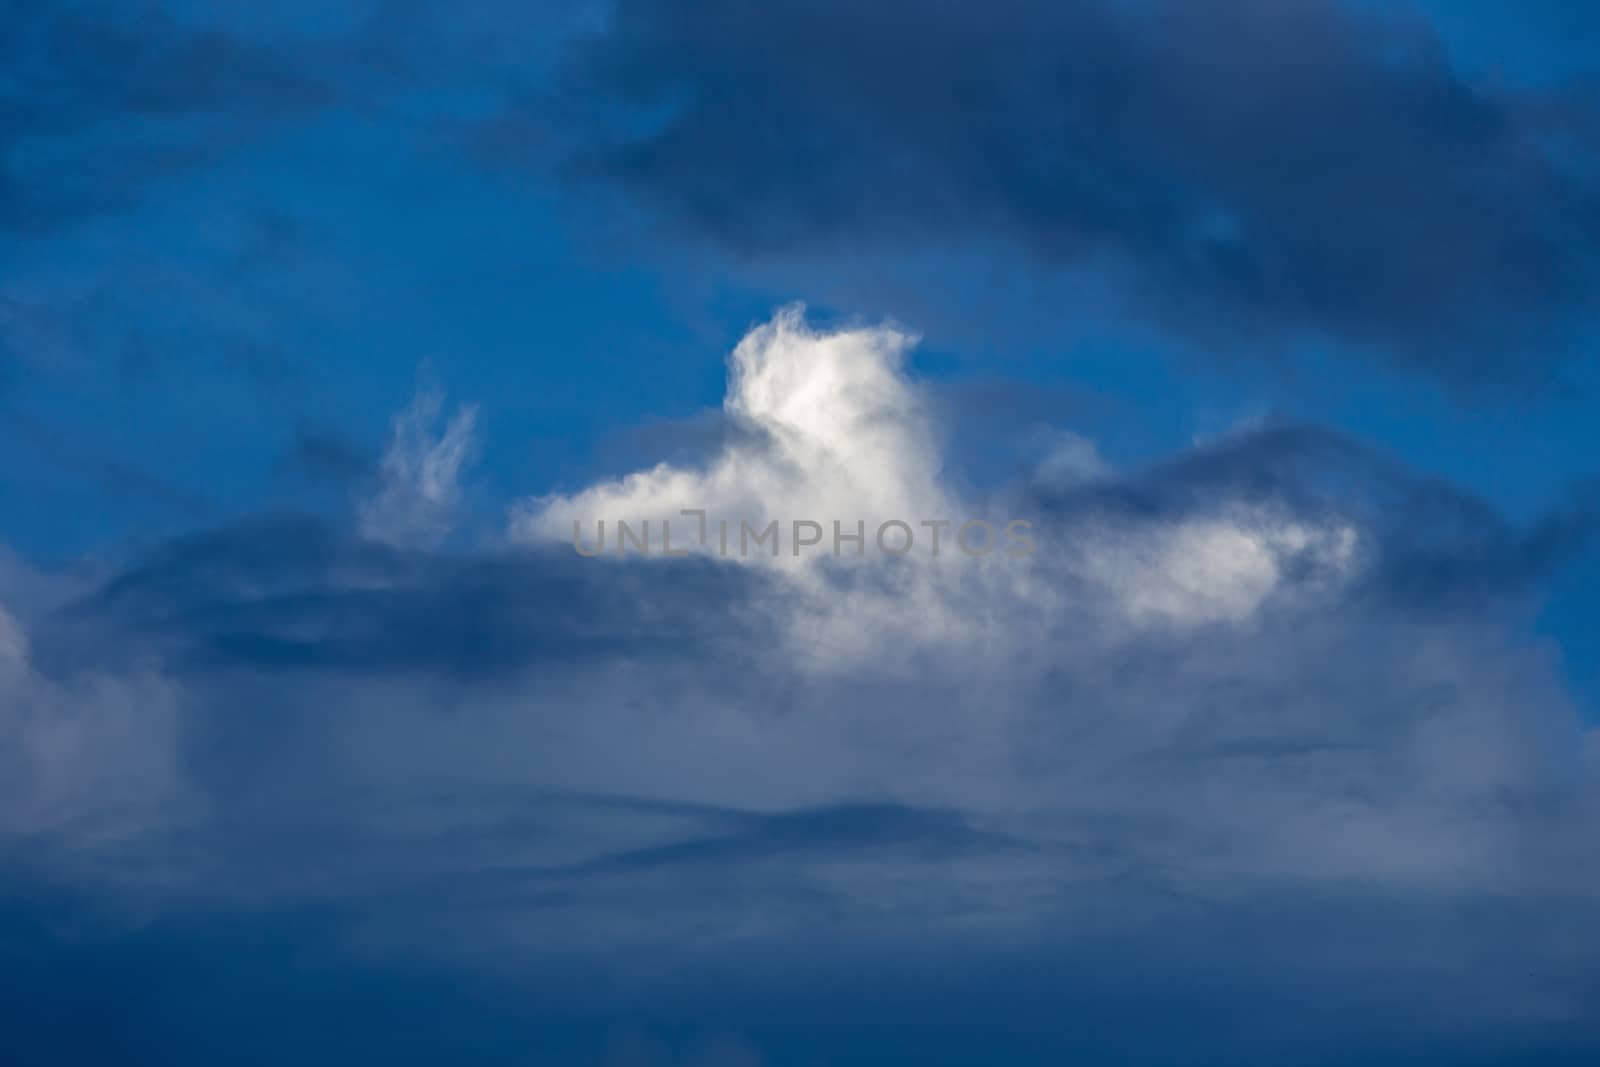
<point>322,324</point>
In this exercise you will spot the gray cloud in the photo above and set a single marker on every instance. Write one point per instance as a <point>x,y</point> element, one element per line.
<point>1244,170</point>
<point>594,772</point>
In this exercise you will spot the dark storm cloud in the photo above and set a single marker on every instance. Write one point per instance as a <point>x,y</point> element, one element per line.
<point>1251,169</point>
<point>291,593</point>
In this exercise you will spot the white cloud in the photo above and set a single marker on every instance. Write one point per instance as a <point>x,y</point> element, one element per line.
<point>418,493</point>
<point>1215,568</point>
<point>1296,737</point>
<point>1067,459</point>
<point>832,429</point>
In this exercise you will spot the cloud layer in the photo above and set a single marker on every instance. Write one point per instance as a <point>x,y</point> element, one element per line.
<point>1234,169</point>
<point>320,743</point>
<point>1213,700</point>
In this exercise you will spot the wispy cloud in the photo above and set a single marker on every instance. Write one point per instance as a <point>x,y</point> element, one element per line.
<point>418,489</point>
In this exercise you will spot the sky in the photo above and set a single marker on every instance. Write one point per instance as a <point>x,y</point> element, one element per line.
<point>1239,351</point>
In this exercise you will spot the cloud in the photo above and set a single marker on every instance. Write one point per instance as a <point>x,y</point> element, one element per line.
<point>1241,621</point>
<point>1210,721</point>
<point>832,432</point>
<point>89,763</point>
<point>1210,667</point>
<point>1240,171</point>
<point>1264,723</point>
<point>294,593</point>
<point>417,494</point>
<point>828,430</point>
